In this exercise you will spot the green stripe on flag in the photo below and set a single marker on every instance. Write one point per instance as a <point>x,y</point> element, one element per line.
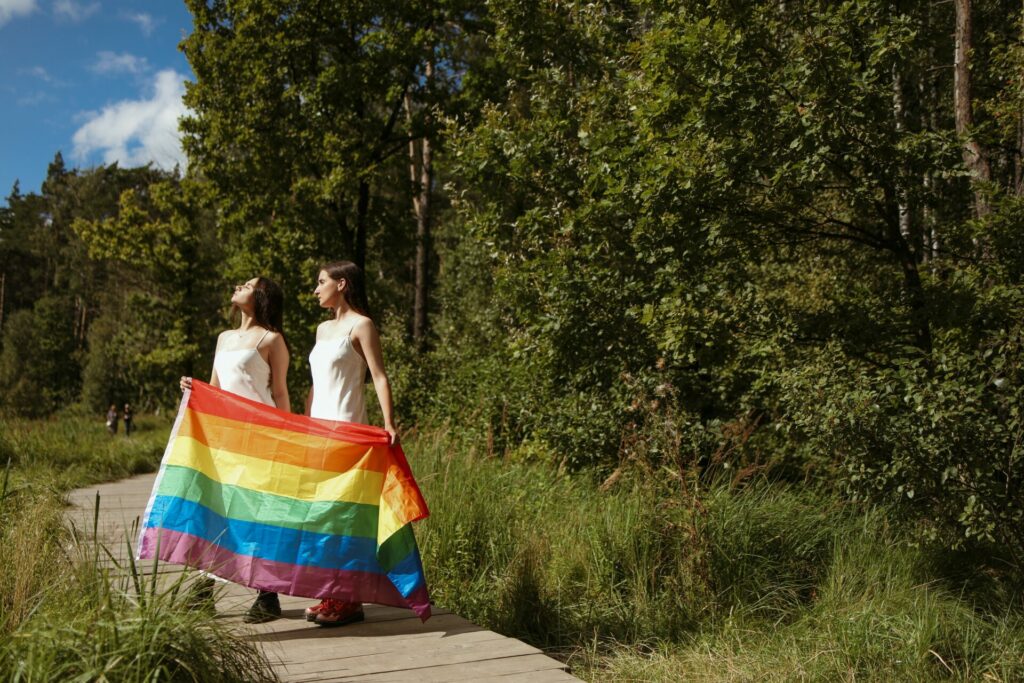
<point>396,548</point>
<point>235,502</point>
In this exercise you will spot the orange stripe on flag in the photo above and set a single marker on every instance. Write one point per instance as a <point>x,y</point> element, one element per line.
<point>282,445</point>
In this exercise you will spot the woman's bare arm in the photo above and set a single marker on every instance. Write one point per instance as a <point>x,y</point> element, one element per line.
<point>278,361</point>
<point>214,380</point>
<point>369,343</point>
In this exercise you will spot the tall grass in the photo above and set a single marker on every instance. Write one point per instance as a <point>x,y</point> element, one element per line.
<point>70,451</point>
<point>66,612</point>
<point>661,579</point>
<point>66,615</point>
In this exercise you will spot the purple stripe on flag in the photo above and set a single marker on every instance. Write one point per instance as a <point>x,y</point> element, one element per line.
<point>280,577</point>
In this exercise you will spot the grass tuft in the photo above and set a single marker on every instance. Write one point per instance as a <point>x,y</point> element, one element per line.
<point>69,614</point>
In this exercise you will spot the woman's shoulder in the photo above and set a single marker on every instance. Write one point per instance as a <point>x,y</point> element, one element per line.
<point>363,323</point>
<point>271,338</point>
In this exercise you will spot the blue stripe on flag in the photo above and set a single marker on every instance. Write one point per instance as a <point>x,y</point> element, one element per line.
<point>280,544</point>
<point>407,575</point>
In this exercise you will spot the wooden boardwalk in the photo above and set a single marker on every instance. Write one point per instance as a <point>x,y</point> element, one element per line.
<point>391,645</point>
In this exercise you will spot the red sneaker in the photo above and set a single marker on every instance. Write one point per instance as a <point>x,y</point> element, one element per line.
<point>312,612</point>
<point>338,613</point>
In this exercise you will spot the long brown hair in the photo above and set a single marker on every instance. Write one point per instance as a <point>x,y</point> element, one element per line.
<point>268,306</point>
<point>355,292</point>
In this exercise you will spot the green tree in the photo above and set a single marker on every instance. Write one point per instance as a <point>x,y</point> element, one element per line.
<point>687,210</point>
<point>164,251</point>
<point>39,370</point>
<point>302,118</point>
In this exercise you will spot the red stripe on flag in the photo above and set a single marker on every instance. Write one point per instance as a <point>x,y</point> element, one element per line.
<point>208,399</point>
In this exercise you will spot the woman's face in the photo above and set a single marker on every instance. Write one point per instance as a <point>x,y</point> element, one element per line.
<point>328,290</point>
<point>243,296</point>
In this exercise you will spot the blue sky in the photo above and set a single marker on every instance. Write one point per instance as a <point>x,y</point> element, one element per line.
<point>99,80</point>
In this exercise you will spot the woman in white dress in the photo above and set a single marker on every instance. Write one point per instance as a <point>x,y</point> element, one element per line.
<point>346,352</point>
<point>252,361</point>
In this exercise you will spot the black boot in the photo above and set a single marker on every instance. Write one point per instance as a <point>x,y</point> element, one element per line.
<point>266,608</point>
<point>200,595</point>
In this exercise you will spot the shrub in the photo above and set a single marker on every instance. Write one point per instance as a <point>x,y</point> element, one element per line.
<point>939,440</point>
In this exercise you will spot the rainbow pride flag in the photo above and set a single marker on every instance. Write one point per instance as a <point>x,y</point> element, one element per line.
<point>286,503</point>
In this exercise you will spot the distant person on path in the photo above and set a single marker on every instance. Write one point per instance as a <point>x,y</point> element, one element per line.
<point>112,419</point>
<point>129,424</point>
<point>347,348</point>
<point>252,361</point>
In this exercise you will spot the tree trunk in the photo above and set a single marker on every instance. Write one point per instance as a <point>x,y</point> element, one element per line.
<point>83,325</point>
<point>362,215</point>
<point>916,299</point>
<point>339,210</point>
<point>421,185</point>
<point>899,116</point>
<point>929,228</point>
<point>1018,159</point>
<point>423,225</point>
<point>928,92</point>
<point>3,283</point>
<point>973,154</point>
<point>913,288</point>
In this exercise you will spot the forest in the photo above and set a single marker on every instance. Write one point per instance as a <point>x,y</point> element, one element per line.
<point>643,250</point>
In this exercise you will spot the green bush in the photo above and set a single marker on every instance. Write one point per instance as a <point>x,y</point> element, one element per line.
<point>939,440</point>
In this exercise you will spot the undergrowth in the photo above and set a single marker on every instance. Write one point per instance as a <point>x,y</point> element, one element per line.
<point>665,577</point>
<point>68,612</point>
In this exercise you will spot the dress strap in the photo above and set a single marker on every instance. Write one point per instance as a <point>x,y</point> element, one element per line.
<point>261,339</point>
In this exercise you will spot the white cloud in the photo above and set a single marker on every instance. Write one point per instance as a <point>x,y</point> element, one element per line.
<point>34,99</point>
<point>74,11</point>
<point>136,132</point>
<point>10,9</point>
<point>111,63</point>
<point>37,72</point>
<point>145,21</point>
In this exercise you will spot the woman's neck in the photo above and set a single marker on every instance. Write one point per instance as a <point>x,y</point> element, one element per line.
<point>342,310</point>
<point>247,323</point>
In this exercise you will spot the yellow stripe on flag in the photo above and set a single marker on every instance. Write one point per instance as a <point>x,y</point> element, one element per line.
<point>258,474</point>
<point>387,522</point>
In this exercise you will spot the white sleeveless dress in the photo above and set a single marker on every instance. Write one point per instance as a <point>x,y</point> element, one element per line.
<point>339,374</point>
<point>245,372</point>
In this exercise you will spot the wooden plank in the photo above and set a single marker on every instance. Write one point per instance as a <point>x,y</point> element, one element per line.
<point>482,670</point>
<point>303,655</point>
<point>297,628</point>
<point>558,675</point>
<point>438,656</point>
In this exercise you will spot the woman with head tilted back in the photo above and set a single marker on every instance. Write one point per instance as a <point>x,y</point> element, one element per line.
<point>252,361</point>
<point>347,347</point>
